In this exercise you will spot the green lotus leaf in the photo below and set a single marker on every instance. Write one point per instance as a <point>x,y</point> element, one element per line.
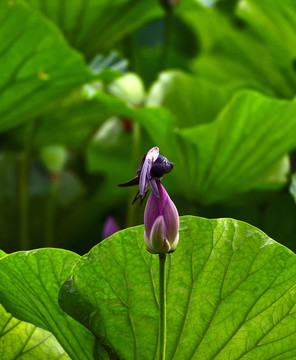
<point>29,286</point>
<point>37,65</point>
<point>231,293</point>
<point>95,25</point>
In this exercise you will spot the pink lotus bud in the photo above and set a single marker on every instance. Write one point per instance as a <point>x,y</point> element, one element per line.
<point>161,221</point>
<point>110,227</point>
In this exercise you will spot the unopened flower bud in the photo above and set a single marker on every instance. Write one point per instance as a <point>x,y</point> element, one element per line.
<point>130,88</point>
<point>168,4</point>
<point>110,227</point>
<point>161,221</point>
<point>54,157</point>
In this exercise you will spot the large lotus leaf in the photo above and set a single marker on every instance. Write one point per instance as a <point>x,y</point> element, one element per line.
<point>75,118</point>
<point>95,25</point>
<point>36,64</point>
<point>274,24</point>
<point>21,340</point>
<point>192,100</point>
<point>29,285</point>
<point>231,49</point>
<point>235,153</point>
<point>231,294</point>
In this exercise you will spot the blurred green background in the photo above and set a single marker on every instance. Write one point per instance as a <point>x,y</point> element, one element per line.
<point>87,87</point>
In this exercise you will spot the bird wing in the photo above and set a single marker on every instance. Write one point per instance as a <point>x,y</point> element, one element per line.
<point>145,176</point>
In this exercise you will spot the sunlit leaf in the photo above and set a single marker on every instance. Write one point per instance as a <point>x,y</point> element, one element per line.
<point>130,88</point>
<point>29,285</point>
<point>231,294</point>
<point>21,340</point>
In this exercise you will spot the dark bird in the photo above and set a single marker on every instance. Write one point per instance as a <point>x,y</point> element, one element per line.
<point>153,166</point>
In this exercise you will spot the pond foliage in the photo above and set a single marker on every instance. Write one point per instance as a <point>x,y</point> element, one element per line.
<point>86,89</point>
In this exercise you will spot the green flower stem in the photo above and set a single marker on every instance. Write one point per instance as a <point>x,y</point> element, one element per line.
<point>131,210</point>
<point>50,211</point>
<point>23,188</point>
<point>131,52</point>
<point>162,307</point>
<point>169,28</point>
<point>24,200</point>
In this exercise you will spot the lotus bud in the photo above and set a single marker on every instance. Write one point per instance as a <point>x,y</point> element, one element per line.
<point>130,88</point>
<point>161,220</point>
<point>168,4</point>
<point>110,227</point>
<point>54,157</point>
